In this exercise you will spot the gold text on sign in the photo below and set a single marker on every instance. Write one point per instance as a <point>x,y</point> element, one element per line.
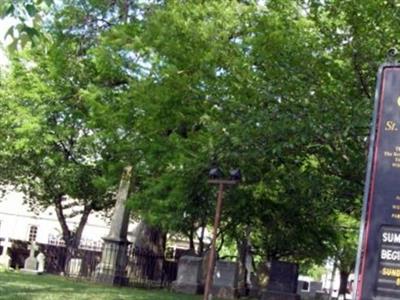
<point>390,126</point>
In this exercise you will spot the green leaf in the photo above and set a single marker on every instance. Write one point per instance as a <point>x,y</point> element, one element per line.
<point>31,9</point>
<point>10,32</point>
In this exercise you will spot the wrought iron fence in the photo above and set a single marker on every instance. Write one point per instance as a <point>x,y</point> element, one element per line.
<point>130,266</point>
<point>148,269</point>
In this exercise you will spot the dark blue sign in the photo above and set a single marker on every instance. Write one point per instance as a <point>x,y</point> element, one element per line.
<point>379,250</point>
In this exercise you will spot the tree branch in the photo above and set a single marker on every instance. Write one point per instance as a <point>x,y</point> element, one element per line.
<point>360,77</point>
<point>61,218</point>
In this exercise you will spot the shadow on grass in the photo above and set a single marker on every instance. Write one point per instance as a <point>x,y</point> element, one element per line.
<point>14,285</point>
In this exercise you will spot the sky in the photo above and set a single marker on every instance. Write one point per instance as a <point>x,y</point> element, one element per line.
<point>4,25</point>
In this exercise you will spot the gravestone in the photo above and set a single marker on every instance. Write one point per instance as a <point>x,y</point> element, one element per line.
<point>315,286</point>
<point>321,295</point>
<point>41,259</point>
<point>30,265</point>
<point>190,275</point>
<point>282,284</point>
<point>74,267</point>
<point>308,289</point>
<point>5,259</point>
<point>225,281</point>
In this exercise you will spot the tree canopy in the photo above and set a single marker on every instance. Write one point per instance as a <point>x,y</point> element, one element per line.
<point>280,89</point>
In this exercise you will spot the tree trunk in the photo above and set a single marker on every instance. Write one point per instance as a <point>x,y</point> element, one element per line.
<point>150,238</point>
<point>332,278</point>
<point>344,277</point>
<point>201,240</point>
<point>191,240</point>
<point>72,239</point>
<point>242,246</point>
<point>151,241</point>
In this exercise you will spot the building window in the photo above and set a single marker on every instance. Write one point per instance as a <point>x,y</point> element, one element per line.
<point>305,286</point>
<point>32,233</point>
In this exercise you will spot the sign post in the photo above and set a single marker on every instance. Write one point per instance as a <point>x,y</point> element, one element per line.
<point>378,261</point>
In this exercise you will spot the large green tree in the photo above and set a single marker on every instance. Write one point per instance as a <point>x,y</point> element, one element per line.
<point>240,85</point>
<point>52,146</point>
<point>281,89</point>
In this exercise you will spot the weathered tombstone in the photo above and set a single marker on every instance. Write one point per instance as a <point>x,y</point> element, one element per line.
<point>74,267</point>
<point>5,259</point>
<point>30,265</point>
<point>315,286</point>
<point>282,284</point>
<point>321,295</point>
<point>190,275</point>
<point>41,259</point>
<point>225,282</point>
<point>112,267</point>
<point>308,289</point>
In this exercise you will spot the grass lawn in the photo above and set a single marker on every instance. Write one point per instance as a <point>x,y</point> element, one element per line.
<point>14,285</point>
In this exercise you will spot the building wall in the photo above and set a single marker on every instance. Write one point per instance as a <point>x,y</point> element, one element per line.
<point>16,218</point>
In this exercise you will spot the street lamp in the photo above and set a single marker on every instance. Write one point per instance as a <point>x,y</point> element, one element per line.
<point>216,175</point>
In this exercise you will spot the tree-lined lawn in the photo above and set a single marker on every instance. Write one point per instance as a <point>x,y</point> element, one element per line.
<point>21,286</point>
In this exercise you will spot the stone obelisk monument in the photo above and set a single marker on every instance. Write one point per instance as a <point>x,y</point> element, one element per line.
<point>111,268</point>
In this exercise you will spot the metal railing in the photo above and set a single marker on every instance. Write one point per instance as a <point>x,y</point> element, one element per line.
<point>141,267</point>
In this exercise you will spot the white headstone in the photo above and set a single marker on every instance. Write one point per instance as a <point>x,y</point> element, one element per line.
<point>74,267</point>
<point>31,261</point>
<point>32,247</point>
<point>5,260</point>
<point>6,244</point>
<point>41,261</point>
